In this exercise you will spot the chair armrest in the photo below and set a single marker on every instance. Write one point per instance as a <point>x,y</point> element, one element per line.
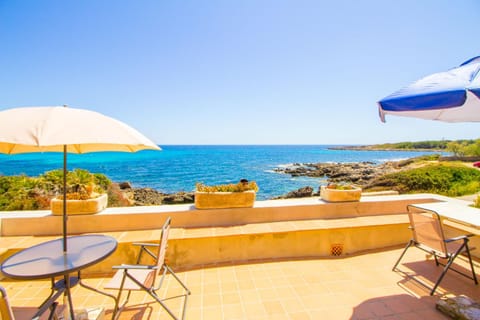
<point>135,266</point>
<point>144,247</point>
<point>458,238</point>
<point>145,244</point>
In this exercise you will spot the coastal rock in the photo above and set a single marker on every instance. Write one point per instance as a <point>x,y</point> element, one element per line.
<point>125,185</point>
<point>123,194</point>
<point>118,197</point>
<point>300,193</point>
<point>147,197</point>
<point>179,197</point>
<point>360,173</point>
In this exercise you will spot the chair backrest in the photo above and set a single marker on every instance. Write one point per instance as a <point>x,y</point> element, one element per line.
<point>427,230</point>
<point>5,309</point>
<point>159,255</point>
<point>162,249</point>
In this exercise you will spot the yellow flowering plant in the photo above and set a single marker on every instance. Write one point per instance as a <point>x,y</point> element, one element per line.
<point>341,186</point>
<point>232,187</point>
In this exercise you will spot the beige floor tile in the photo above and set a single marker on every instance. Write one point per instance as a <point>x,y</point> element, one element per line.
<point>231,298</point>
<point>356,287</point>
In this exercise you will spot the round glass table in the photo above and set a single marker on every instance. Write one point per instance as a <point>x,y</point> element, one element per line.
<point>47,260</point>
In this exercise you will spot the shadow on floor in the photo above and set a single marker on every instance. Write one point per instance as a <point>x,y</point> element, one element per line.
<point>133,312</point>
<point>402,306</point>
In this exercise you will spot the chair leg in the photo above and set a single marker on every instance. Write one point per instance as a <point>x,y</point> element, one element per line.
<point>445,269</point>
<point>177,278</point>
<point>152,292</point>
<point>184,287</point>
<point>409,244</point>
<point>118,308</point>
<point>104,293</point>
<point>154,295</point>
<point>467,249</point>
<point>451,258</point>
<point>53,311</point>
<point>164,273</point>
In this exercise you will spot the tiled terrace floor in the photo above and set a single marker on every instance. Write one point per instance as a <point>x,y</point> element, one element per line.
<point>356,287</point>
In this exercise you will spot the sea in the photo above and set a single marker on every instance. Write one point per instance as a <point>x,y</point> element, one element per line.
<point>179,167</point>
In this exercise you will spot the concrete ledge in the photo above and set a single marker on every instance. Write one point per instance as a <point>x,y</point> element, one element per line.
<point>276,240</point>
<point>306,227</point>
<point>186,216</point>
<point>192,247</point>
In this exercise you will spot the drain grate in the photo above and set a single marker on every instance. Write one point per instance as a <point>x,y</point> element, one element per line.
<point>336,249</point>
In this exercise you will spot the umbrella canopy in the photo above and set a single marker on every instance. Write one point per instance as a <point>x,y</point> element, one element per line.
<point>450,96</point>
<point>42,129</point>
<point>62,129</point>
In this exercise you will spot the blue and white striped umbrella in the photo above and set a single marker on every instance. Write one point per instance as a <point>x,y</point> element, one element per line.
<point>450,96</point>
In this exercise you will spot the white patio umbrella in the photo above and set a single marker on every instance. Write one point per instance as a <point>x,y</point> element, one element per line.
<point>450,96</point>
<point>62,129</point>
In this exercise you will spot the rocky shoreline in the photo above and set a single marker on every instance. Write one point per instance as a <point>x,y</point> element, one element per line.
<point>362,174</point>
<point>359,173</point>
<point>124,194</point>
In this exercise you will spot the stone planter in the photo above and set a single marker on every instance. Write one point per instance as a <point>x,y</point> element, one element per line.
<point>222,200</point>
<point>89,206</point>
<point>339,195</point>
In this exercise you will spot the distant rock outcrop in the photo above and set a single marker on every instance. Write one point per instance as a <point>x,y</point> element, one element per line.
<point>360,173</point>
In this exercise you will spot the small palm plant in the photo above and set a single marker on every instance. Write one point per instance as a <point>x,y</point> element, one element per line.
<point>81,184</point>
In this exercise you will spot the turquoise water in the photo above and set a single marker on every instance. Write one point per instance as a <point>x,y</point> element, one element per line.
<point>178,168</point>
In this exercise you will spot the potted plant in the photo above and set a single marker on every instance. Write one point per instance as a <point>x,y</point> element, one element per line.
<point>334,192</point>
<point>239,195</point>
<point>85,194</point>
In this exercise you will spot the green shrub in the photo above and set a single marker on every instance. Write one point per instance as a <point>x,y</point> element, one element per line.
<point>450,180</point>
<point>34,193</point>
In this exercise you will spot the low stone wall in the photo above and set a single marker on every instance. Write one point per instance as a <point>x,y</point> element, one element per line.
<point>43,223</point>
<point>278,229</point>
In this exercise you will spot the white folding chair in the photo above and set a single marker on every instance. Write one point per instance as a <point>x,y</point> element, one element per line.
<point>428,235</point>
<point>8,312</point>
<point>144,277</point>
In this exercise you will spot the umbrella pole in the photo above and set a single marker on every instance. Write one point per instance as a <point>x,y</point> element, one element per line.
<point>64,198</point>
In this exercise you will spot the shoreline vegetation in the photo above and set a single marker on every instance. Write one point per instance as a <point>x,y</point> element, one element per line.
<point>467,147</point>
<point>451,176</point>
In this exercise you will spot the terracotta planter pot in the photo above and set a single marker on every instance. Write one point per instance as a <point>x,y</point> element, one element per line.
<point>221,200</point>
<point>338,195</point>
<point>89,206</point>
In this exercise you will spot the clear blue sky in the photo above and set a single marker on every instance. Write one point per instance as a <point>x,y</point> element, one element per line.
<point>237,72</point>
